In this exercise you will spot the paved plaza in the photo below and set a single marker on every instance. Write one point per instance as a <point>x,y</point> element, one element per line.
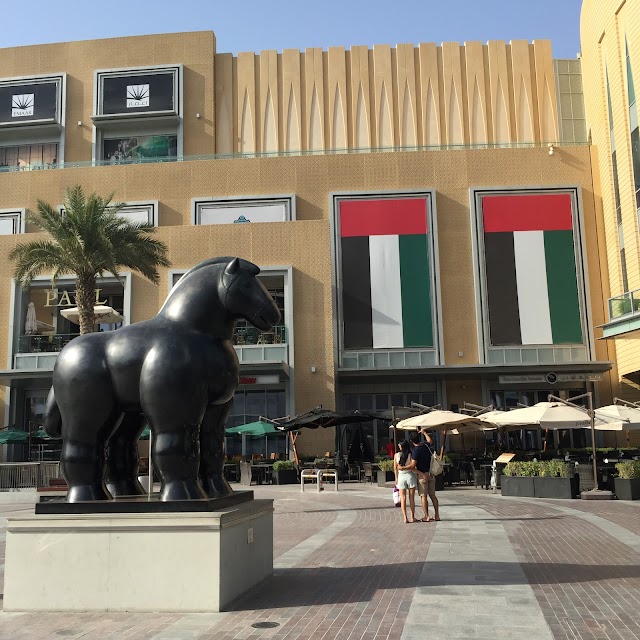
<point>347,567</point>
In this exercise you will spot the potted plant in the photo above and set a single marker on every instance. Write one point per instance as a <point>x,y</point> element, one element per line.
<point>555,479</point>
<point>517,479</point>
<point>385,472</point>
<point>627,484</point>
<point>284,472</point>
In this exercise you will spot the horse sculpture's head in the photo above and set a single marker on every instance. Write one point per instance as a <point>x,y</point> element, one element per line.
<point>246,297</point>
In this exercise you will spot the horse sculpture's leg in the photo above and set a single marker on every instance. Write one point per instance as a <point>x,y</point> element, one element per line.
<point>122,457</point>
<point>212,450</point>
<point>82,459</point>
<point>176,457</point>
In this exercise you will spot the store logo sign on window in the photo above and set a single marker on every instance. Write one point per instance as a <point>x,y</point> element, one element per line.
<point>22,105</point>
<point>137,95</point>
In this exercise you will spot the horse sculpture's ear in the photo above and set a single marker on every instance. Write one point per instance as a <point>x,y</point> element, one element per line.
<point>233,267</point>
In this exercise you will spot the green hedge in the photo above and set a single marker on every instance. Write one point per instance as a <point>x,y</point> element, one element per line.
<point>385,465</point>
<point>549,468</point>
<point>628,469</point>
<point>283,465</point>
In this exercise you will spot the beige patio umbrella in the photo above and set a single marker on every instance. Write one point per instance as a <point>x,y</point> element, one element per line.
<point>443,421</point>
<point>103,314</point>
<point>447,421</point>
<point>559,414</point>
<point>619,413</point>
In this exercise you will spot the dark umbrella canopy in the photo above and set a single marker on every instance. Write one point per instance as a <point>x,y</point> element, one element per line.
<point>320,417</point>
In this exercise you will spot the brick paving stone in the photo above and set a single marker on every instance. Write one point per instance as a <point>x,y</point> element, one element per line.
<point>361,583</point>
<point>587,582</point>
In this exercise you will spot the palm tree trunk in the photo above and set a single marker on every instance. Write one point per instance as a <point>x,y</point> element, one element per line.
<point>85,300</point>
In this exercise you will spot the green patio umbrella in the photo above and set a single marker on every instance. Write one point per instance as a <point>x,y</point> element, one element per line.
<point>42,434</point>
<point>146,432</point>
<point>13,435</point>
<point>255,429</point>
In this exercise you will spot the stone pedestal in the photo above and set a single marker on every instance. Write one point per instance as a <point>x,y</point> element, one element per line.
<point>180,562</point>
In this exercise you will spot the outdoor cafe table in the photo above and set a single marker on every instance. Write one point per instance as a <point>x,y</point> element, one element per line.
<point>265,471</point>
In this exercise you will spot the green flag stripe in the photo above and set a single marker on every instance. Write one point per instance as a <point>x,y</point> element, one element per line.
<point>415,285</point>
<point>562,284</point>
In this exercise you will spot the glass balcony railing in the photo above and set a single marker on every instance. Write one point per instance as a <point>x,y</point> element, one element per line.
<point>628,304</point>
<point>244,335</point>
<point>44,344</point>
<point>306,152</point>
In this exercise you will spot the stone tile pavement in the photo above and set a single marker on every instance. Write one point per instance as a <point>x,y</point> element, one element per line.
<point>347,567</point>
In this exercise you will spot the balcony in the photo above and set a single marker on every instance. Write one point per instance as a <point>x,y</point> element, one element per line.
<point>624,314</point>
<point>251,345</point>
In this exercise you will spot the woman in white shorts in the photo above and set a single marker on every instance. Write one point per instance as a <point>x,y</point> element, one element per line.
<point>406,481</point>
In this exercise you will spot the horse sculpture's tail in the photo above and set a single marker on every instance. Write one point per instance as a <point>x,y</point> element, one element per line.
<point>52,417</point>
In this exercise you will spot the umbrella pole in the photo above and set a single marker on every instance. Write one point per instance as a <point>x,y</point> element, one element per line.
<point>293,446</point>
<point>444,442</point>
<point>395,431</point>
<point>546,439</point>
<point>593,439</point>
<point>628,440</point>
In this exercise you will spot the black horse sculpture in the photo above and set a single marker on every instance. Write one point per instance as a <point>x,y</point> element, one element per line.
<point>178,371</point>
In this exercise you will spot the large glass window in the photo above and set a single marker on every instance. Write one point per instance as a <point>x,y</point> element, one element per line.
<point>139,148</point>
<point>369,438</point>
<point>248,406</point>
<point>633,126</point>
<point>29,156</point>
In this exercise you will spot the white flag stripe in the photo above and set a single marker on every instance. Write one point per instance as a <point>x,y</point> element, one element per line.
<point>533,295</point>
<point>386,295</point>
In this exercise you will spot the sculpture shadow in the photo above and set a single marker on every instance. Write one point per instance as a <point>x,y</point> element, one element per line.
<point>303,587</point>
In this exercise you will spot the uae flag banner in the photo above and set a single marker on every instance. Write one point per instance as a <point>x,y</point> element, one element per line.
<point>386,277</point>
<point>530,268</point>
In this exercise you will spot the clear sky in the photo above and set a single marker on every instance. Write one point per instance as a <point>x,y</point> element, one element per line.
<point>254,25</point>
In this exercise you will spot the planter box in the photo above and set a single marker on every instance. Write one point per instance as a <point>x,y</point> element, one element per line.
<point>286,476</point>
<point>547,487</point>
<point>517,486</point>
<point>627,489</point>
<point>385,476</point>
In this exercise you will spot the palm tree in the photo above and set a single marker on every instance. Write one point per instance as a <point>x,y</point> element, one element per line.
<point>87,240</point>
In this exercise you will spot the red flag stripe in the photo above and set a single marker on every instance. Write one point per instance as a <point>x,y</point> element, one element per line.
<point>542,212</point>
<point>385,217</point>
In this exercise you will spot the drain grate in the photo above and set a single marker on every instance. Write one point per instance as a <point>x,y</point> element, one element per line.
<point>265,625</point>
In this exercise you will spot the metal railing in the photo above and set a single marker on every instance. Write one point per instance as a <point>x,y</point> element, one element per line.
<point>44,344</point>
<point>27,475</point>
<point>243,335</point>
<point>308,152</point>
<point>628,304</point>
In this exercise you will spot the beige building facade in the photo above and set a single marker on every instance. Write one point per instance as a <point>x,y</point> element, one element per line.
<point>354,166</point>
<point>610,39</point>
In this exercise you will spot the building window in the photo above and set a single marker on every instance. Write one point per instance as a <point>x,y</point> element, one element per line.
<point>616,191</point>
<point>29,156</point>
<point>11,222</point>
<point>233,211</point>
<point>633,126</point>
<point>140,148</point>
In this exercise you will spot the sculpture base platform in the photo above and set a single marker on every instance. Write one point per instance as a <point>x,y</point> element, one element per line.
<point>196,561</point>
<point>142,504</point>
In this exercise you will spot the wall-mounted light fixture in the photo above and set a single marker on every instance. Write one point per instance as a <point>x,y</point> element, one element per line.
<point>197,115</point>
<point>79,123</point>
<point>313,369</point>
